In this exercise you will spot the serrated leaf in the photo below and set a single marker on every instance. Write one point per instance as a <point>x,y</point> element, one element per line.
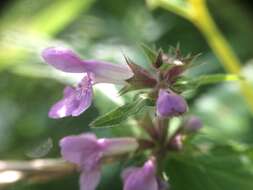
<point>221,168</point>
<point>120,114</point>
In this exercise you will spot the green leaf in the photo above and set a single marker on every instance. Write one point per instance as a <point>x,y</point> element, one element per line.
<point>184,83</point>
<point>150,53</point>
<point>216,78</point>
<point>121,113</point>
<point>221,168</point>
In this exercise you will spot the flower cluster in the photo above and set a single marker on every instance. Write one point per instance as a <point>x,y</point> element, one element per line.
<point>165,94</point>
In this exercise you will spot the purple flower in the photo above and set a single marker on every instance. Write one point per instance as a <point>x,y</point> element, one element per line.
<point>170,104</point>
<point>77,100</point>
<point>193,124</point>
<point>87,152</point>
<point>141,178</point>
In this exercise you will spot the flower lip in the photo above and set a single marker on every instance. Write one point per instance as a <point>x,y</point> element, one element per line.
<point>84,151</point>
<point>140,178</point>
<point>75,100</point>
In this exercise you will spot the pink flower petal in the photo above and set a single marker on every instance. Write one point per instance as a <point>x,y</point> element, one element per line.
<point>74,148</point>
<point>74,101</point>
<point>107,72</point>
<point>64,60</point>
<point>128,171</point>
<point>116,146</point>
<point>89,180</point>
<point>65,106</point>
<point>84,96</point>
<point>141,178</point>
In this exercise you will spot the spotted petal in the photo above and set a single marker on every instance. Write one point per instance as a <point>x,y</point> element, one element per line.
<point>74,102</point>
<point>65,106</point>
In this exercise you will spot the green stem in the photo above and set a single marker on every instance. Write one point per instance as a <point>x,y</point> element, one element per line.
<point>204,22</point>
<point>221,48</point>
<point>179,9</point>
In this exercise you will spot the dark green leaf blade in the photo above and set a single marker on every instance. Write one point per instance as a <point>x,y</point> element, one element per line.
<point>225,168</point>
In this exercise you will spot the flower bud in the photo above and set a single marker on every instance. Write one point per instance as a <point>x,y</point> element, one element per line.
<point>170,104</point>
<point>177,142</point>
<point>192,124</point>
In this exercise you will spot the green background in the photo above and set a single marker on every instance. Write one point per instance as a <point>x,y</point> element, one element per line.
<point>105,29</point>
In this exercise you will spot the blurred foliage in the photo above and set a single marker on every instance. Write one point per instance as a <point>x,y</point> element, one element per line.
<point>106,30</point>
<point>209,169</point>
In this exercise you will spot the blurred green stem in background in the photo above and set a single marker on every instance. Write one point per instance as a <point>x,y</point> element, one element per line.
<point>197,12</point>
<point>58,15</point>
<point>45,24</point>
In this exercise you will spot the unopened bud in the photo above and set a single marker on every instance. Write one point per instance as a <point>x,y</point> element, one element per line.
<point>170,104</point>
<point>177,142</point>
<point>192,124</point>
